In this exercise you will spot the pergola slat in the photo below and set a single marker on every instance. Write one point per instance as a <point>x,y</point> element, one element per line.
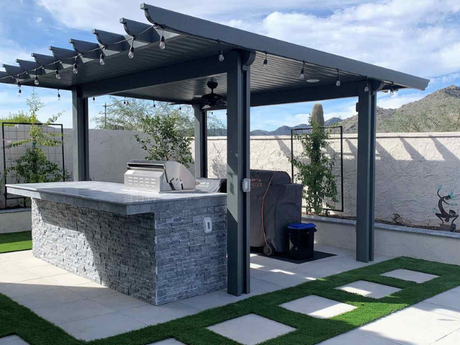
<point>5,75</point>
<point>140,31</point>
<point>89,50</point>
<point>28,65</point>
<point>65,56</point>
<point>13,71</point>
<point>111,41</point>
<point>44,60</point>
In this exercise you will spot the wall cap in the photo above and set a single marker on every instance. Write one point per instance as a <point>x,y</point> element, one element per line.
<point>387,227</point>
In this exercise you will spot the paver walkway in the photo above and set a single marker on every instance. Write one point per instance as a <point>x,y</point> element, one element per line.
<point>98,312</point>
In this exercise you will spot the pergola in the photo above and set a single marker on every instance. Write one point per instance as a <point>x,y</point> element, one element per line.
<point>172,59</point>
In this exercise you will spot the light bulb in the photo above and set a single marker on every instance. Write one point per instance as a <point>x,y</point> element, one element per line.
<point>19,92</point>
<point>338,82</point>
<point>366,88</point>
<point>162,42</point>
<point>59,96</point>
<point>102,60</point>
<point>58,75</point>
<point>36,82</point>
<point>302,71</point>
<point>94,99</point>
<point>265,63</point>
<point>221,56</point>
<point>75,68</point>
<point>131,52</point>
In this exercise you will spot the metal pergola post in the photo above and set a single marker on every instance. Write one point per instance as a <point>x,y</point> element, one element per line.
<point>81,136</point>
<point>201,141</point>
<point>366,172</point>
<point>238,201</point>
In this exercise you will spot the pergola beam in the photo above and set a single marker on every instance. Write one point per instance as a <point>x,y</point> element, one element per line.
<point>201,141</point>
<point>80,117</point>
<point>168,74</point>
<point>311,94</point>
<point>238,164</point>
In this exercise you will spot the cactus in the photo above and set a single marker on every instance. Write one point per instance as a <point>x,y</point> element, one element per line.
<point>317,114</point>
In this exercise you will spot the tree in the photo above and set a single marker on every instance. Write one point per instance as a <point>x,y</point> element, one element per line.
<point>128,114</point>
<point>315,169</point>
<point>167,138</point>
<point>33,166</point>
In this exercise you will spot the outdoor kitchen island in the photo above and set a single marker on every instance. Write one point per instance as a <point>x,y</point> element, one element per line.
<point>157,247</point>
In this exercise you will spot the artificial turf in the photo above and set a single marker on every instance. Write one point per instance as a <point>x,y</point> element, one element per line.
<point>192,329</point>
<point>15,241</point>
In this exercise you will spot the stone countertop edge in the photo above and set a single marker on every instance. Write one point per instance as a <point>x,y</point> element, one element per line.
<point>128,209</point>
<point>388,227</point>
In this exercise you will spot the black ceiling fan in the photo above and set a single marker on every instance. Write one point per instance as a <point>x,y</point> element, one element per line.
<point>212,99</point>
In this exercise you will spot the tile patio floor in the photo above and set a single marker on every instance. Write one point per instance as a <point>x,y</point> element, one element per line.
<point>99,312</point>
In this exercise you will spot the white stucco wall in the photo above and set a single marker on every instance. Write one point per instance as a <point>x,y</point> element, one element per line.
<point>409,167</point>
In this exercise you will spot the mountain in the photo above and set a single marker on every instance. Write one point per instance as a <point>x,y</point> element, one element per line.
<point>350,125</point>
<point>283,130</point>
<point>436,112</point>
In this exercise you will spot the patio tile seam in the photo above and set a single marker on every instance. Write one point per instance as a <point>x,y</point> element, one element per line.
<point>445,336</point>
<point>110,313</point>
<point>443,307</point>
<point>67,288</point>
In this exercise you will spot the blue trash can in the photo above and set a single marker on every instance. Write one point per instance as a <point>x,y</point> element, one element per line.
<point>301,240</point>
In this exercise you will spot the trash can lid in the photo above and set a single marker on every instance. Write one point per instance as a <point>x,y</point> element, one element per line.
<point>301,226</point>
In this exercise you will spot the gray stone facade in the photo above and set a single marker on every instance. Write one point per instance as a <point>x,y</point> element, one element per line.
<point>156,257</point>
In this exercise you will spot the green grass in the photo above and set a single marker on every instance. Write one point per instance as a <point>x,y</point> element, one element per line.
<point>15,241</point>
<point>191,330</point>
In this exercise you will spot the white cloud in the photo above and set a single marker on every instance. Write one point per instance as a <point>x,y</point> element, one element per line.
<point>38,19</point>
<point>397,100</point>
<point>415,36</point>
<point>446,79</point>
<point>86,14</point>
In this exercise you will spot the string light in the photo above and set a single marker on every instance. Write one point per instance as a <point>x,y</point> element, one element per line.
<point>58,75</point>
<point>265,61</point>
<point>75,67</point>
<point>36,81</point>
<point>102,57</point>
<point>131,50</point>
<point>162,44</point>
<point>221,53</point>
<point>59,95</point>
<point>302,71</point>
<point>19,88</point>
<point>94,99</point>
<point>338,82</point>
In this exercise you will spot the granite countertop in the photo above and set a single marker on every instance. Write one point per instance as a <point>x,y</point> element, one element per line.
<point>104,196</point>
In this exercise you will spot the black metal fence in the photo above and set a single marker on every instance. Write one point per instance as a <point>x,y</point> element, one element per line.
<point>334,150</point>
<point>13,132</point>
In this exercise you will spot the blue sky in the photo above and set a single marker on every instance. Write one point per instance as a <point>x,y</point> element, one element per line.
<point>421,37</point>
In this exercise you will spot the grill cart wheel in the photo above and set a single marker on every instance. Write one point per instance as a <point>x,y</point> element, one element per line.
<point>269,250</point>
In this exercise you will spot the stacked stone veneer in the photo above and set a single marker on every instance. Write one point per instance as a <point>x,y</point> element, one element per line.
<point>156,257</point>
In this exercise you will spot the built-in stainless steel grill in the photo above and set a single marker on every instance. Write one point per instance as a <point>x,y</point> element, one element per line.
<point>158,176</point>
